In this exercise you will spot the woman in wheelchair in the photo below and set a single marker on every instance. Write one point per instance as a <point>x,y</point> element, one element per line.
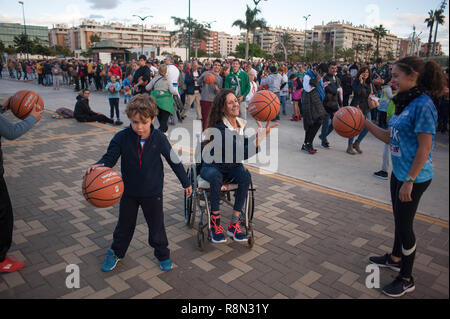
<point>225,133</point>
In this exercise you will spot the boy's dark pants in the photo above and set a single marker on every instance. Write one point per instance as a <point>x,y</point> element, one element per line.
<point>154,215</point>
<point>6,220</point>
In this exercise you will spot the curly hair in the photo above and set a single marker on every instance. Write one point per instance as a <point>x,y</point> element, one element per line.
<point>217,109</point>
<point>142,104</point>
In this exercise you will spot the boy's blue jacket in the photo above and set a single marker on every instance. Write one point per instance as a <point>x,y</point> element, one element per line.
<point>142,169</point>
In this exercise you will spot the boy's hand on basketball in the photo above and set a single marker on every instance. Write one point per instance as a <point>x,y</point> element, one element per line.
<point>188,191</point>
<point>6,104</point>
<point>37,112</point>
<point>90,169</point>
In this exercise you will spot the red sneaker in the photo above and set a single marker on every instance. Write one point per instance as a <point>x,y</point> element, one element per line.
<point>11,264</point>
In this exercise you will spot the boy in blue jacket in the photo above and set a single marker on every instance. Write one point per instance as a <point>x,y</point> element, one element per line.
<point>140,147</point>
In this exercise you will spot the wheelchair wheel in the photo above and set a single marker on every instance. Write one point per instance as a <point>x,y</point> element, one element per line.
<point>251,241</point>
<point>189,204</point>
<point>201,240</point>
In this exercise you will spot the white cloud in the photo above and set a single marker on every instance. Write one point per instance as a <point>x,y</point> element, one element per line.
<point>103,4</point>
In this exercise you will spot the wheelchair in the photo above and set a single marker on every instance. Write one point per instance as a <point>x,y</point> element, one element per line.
<point>197,206</point>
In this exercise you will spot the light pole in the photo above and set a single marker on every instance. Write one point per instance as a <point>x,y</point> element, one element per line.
<point>306,27</point>
<point>24,26</point>
<point>142,19</point>
<point>189,31</point>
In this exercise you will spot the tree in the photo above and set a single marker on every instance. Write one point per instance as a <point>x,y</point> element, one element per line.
<point>379,33</point>
<point>199,32</point>
<point>216,55</point>
<point>368,48</point>
<point>390,56</point>
<point>22,43</point>
<point>94,38</point>
<point>256,49</point>
<point>430,24</point>
<point>439,18</point>
<point>88,53</point>
<point>346,54</point>
<point>358,48</point>
<point>250,24</point>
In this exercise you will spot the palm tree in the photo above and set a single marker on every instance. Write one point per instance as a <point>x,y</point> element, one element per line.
<point>430,24</point>
<point>250,24</point>
<point>439,18</point>
<point>368,47</point>
<point>200,32</point>
<point>379,32</point>
<point>358,48</point>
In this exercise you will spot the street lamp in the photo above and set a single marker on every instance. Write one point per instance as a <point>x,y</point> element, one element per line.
<point>189,31</point>
<point>24,26</point>
<point>142,19</point>
<point>306,27</point>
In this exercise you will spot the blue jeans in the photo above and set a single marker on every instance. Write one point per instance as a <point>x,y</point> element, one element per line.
<point>47,79</point>
<point>216,178</point>
<point>283,99</point>
<point>114,106</point>
<point>363,133</point>
<point>327,128</point>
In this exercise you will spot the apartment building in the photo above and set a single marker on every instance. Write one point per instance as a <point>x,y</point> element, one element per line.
<point>343,35</point>
<point>269,39</point>
<point>227,43</point>
<point>59,35</point>
<point>9,30</point>
<point>128,36</point>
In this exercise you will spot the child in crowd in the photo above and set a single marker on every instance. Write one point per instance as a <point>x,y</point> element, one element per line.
<point>113,89</point>
<point>126,86</point>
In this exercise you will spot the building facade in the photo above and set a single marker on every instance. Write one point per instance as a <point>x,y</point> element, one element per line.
<point>269,40</point>
<point>133,36</point>
<point>9,30</point>
<point>343,35</point>
<point>227,43</point>
<point>424,48</point>
<point>59,35</point>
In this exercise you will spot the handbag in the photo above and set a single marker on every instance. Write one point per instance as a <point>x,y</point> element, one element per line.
<point>372,103</point>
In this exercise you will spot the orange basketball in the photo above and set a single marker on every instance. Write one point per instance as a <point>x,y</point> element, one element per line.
<point>210,78</point>
<point>112,89</point>
<point>349,121</point>
<point>23,102</point>
<point>127,88</point>
<point>103,187</point>
<point>264,106</point>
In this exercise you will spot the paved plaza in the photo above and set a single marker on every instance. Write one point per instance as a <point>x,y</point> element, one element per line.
<point>312,240</point>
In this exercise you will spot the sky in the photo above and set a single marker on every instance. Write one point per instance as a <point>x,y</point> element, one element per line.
<point>397,16</point>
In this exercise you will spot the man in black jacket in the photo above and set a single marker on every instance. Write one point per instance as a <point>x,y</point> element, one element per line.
<point>332,102</point>
<point>83,112</point>
<point>142,76</point>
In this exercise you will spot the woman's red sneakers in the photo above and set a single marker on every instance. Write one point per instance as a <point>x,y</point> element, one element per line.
<point>10,264</point>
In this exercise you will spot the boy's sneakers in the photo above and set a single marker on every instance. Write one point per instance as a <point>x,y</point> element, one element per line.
<point>234,231</point>
<point>399,287</point>
<point>110,261</point>
<point>386,261</point>
<point>381,174</point>
<point>166,265</point>
<point>217,231</point>
<point>325,145</point>
<point>118,122</point>
<point>11,264</point>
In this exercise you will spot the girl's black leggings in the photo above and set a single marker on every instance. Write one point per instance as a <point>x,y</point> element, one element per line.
<point>405,240</point>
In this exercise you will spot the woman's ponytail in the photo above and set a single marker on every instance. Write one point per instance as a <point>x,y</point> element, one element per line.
<point>432,79</point>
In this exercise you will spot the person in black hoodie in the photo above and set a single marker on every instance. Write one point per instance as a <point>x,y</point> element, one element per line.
<point>83,112</point>
<point>140,147</point>
<point>332,102</point>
